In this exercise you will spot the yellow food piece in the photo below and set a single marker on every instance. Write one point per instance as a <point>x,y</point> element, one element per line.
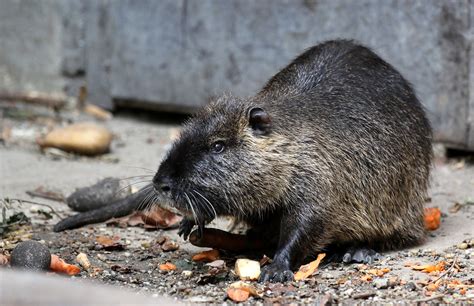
<point>83,138</point>
<point>247,269</point>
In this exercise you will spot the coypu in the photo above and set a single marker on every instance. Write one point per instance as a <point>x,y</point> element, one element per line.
<point>333,152</point>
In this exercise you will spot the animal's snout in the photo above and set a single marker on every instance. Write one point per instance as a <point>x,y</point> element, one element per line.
<point>162,183</point>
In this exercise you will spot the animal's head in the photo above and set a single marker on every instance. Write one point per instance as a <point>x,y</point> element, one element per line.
<point>226,161</point>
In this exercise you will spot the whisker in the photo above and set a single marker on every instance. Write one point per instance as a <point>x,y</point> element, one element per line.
<point>192,209</point>
<point>142,168</point>
<point>205,199</point>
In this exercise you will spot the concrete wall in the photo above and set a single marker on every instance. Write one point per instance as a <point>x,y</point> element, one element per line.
<point>176,54</point>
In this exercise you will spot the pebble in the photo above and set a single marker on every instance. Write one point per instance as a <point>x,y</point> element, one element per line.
<point>381,283</point>
<point>410,286</point>
<point>463,246</point>
<point>31,255</point>
<point>187,273</point>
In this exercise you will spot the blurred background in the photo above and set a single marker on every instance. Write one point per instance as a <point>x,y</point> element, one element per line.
<point>93,91</point>
<point>173,55</point>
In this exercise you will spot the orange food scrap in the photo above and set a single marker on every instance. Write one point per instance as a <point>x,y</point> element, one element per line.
<point>207,256</point>
<point>430,268</point>
<point>378,272</point>
<point>432,287</point>
<point>308,269</point>
<point>241,291</point>
<point>366,278</point>
<point>238,295</point>
<point>432,218</point>
<point>60,266</point>
<point>167,267</point>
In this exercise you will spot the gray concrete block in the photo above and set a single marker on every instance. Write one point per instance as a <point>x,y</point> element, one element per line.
<point>181,53</point>
<point>30,45</point>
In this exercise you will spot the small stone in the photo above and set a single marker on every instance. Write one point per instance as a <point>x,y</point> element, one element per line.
<point>216,264</point>
<point>187,273</point>
<point>410,286</point>
<point>449,255</point>
<point>31,255</point>
<point>463,246</point>
<point>381,283</point>
<point>247,269</point>
<point>169,246</point>
<point>82,259</point>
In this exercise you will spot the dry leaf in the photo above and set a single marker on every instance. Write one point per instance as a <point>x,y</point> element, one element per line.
<point>110,243</point>
<point>207,256</point>
<point>160,218</point>
<point>60,266</point>
<point>167,267</point>
<point>432,218</point>
<point>308,269</point>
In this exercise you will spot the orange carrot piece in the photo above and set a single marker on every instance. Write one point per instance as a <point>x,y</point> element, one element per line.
<point>60,266</point>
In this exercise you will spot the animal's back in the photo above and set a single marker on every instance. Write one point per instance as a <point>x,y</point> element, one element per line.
<point>363,132</point>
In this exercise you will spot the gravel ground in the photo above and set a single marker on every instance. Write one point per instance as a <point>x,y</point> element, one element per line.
<point>140,142</point>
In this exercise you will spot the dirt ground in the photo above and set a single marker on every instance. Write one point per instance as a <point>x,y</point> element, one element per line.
<point>139,144</point>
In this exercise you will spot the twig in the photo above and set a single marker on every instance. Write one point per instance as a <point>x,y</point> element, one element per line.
<point>430,298</point>
<point>446,272</point>
<point>56,101</point>
<point>40,204</point>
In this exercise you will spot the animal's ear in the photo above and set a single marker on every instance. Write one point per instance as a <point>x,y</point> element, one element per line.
<point>260,121</point>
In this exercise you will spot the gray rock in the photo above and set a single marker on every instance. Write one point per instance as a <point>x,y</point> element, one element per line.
<point>31,255</point>
<point>381,283</point>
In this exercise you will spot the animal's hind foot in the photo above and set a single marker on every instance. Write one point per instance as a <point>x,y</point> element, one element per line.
<point>360,255</point>
<point>355,255</point>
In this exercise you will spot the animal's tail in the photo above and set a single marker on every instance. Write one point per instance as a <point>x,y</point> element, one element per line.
<point>116,209</point>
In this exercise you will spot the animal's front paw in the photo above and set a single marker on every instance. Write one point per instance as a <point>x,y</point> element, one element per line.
<point>185,228</point>
<point>276,273</point>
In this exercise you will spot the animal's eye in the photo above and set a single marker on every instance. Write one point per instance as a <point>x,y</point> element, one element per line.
<point>217,147</point>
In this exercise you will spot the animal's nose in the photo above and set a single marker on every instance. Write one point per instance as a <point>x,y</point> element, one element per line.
<point>162,183</point>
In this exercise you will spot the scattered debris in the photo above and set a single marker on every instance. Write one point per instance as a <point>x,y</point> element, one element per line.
<point>307,270</point>
<point>82,138</point>
<point>247,269</point>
